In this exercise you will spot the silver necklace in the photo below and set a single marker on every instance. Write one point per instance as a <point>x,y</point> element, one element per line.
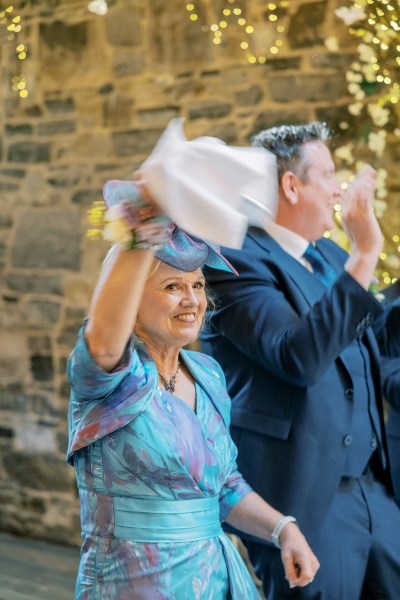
<point>170,384</point>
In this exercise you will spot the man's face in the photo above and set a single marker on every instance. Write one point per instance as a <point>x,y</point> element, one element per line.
<point>318,190</point>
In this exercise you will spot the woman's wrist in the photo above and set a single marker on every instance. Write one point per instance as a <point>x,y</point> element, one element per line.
<point>281,524</point>
<point>135,226</point>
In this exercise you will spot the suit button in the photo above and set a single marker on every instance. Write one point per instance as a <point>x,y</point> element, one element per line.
<point>369,318</point>
<point>347,440</point>
<point>349,393</point>
<point>373,443</point>
<point>359,329</point>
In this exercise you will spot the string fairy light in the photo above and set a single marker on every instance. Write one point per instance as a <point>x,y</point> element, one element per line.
<point>232,14</point>
<point>373,81</point>
<point>98,7</point>
<point>11,24</point>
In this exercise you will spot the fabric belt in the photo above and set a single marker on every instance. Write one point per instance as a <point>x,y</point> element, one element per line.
<point>157,520</point>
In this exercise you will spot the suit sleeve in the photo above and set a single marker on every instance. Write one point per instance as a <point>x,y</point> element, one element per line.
<point>390,372</point>
<point>264,315</point>
<point>387,328</point>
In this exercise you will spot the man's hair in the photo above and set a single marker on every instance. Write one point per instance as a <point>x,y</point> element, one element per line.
<point>287,143</point>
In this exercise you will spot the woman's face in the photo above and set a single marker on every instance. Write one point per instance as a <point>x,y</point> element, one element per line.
<point>172,308</point>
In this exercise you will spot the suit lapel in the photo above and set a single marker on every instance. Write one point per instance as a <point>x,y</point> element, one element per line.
<point>309,286</point>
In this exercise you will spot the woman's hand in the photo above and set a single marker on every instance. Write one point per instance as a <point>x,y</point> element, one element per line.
<point>144,190</point>
<point>299,561</point>
<point>255,516</point>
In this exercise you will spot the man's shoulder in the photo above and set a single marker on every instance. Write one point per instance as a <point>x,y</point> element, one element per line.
<point>256,241</point>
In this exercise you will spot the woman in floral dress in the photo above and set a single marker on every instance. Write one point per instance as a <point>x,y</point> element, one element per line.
<point>149,436</point>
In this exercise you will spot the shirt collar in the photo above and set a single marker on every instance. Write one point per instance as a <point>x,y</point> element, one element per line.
<point>293,243</point>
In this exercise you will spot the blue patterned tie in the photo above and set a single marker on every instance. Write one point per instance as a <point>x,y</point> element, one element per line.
<point>321,268</point>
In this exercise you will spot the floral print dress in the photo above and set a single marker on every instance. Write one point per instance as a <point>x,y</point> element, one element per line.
<point>133,444</point>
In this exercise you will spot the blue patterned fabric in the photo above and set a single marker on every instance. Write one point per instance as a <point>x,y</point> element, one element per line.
<point>132,443</point>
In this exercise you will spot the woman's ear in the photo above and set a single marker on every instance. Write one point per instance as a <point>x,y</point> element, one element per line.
<point>290,186</point>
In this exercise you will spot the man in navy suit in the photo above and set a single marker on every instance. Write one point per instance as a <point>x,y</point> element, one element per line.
<point>391,391</point>
<point>294,334</point>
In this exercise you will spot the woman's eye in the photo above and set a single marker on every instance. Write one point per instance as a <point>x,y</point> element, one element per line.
<point>172,287</point>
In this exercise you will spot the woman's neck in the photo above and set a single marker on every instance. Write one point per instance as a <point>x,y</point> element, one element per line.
<point>166,358</point>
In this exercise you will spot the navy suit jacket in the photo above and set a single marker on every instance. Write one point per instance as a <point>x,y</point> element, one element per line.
<point>281,338</point>
<point>391,390</point>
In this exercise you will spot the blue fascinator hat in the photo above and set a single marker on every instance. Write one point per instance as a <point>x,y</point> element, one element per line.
<point>180,250</point>
<point>188,253</point>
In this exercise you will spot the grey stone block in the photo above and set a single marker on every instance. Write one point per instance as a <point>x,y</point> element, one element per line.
<point>210,110</point>
<point>19,129</point>
<point>123,28</point>
<point>39,313</point>
<point>60,105</point>
<point>48,240</point>
<point>29,152</point>
<point>305,27</point>
<point>70,37</point>
<point>36,284</point>
<point>56,128</point>
<point>42,368</point>
<point>136,141</point>
<point>309,88</point>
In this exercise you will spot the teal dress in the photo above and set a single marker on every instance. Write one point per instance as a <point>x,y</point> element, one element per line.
<point>155,481</point>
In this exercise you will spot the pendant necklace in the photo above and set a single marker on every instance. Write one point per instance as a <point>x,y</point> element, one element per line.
<point>170,384</point>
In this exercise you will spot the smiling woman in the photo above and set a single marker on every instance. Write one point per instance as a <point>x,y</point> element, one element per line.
<point>149,432</point>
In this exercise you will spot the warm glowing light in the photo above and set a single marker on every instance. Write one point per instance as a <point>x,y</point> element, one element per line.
<point>234,17</point>
<point>13,24</point>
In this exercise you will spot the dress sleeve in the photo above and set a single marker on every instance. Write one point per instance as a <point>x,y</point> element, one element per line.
<point>102,402</point>
<point>88,380</point>
<point>235,487</point>
<point>234,490</point>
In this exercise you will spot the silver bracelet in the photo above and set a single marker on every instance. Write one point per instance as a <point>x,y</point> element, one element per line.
<point>278,528</point>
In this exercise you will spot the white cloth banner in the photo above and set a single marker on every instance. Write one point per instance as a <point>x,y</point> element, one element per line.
<point>211,190</point>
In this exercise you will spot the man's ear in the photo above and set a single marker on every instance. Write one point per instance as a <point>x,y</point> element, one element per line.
<point>290,186</point>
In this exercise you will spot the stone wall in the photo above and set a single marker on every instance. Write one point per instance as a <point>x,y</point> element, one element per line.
<point>101,91</point>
